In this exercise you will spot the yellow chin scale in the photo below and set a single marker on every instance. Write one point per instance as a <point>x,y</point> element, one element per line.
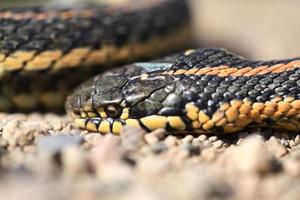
<point>99,121</point>
<point>229,117</point>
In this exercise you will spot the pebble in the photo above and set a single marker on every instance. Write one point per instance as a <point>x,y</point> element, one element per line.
<point>92,138</point>
<point>218,144</point>
<point>292,167</point>
<point>207,143</point>
<point>159,133</point>
<point>292,143</point>
<point>151,168</point>
<point>187,139</point>
<point>208,154</point>
<point>297,139</point>
<point>284,142</point>
<point>158,147</point>
<point>276,147</point>
<point>151,138</point>
<point>21,133</point>
<point>180,157</point>
<point>252,157</point>
<point>171,141</point>
<point>202,138</point>
<point>92,166</point>
<point>213,138</point>
<point>106,150</point>
<point>55,144</point>
<point>196,142</point>
<point>132,138</point>
<point>193,150</point>
<point>73,160</point>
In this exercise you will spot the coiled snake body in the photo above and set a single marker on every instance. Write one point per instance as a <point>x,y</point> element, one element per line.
<point>200,91</point>
<point>47,50</point>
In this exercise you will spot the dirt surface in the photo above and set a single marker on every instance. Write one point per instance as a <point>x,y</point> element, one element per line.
<point>46,157</point>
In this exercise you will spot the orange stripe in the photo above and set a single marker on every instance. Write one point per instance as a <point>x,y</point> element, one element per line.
<point>46,15</point>
<point>235,71</point>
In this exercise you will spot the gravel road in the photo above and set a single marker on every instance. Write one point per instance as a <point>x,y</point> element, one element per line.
<point>46,157</point>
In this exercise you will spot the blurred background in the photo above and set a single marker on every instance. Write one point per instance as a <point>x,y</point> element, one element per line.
<point>258,29</point>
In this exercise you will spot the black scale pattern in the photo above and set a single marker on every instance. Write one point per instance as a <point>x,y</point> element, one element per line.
<point>214,57</point>
<point>110,26</point>
<point>209,91</point>
<point>106,27</point>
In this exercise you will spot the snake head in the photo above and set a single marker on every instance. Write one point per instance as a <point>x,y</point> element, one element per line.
<point>119,97</point>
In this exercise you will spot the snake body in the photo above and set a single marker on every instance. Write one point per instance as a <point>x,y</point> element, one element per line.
<point>45,51</point>
<point>197,91</point>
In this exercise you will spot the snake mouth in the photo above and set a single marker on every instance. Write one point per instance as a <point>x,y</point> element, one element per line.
<point>104,120</point>
<point>100,122</point>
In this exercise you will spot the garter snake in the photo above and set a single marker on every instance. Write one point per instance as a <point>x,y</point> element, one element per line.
<point>200,91</point>
<point>47,50</point>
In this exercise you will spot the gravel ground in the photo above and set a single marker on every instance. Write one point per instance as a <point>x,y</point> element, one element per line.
<point>46,157</point>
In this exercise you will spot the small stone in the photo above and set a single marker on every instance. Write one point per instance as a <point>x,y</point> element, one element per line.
<point>92,138</point>
<point>55,121</point>
<point>159,133</point>
<point>218,144</point>
<point>202,138</point>
<point>276,148</point>
<point>145,150</point>
<point>132,138</point>
<point>180,157</point>
<point>73,161</point>
<point>193,150</point>
<point>151,139</point>
<point>158,147</point>
<point>55,144</point>
<point>252,157</point>
<point>196,142</point>
<point>213,138</point>
<point>106,150</point>
<point>284,142</point>
<point>30,149</point>
<point>208,154</point>
<point>151,168</point>
<point>292,143</point>
<point>297,139</point>
<point>292,167</point>
<point>171,141</point>
<point>21,133</point>
<point>207,143</point>
<point>187,139</point>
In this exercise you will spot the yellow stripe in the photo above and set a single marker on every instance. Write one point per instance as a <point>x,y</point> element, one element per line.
<point>84,56</point>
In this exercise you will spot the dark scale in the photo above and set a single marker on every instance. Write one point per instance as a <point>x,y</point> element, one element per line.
<point>208,91</point>
<point>212,90</point>
<point>214,57</point>
<point>106,27</point>
<point>170,111</point>
<point>146,107</point>
<point>159,95</point>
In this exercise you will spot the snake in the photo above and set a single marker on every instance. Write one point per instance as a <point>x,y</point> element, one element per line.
<point>199,91</point>
<point>48,49</point>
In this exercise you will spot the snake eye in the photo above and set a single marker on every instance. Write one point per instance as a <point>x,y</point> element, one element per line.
<point>113,111</point>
